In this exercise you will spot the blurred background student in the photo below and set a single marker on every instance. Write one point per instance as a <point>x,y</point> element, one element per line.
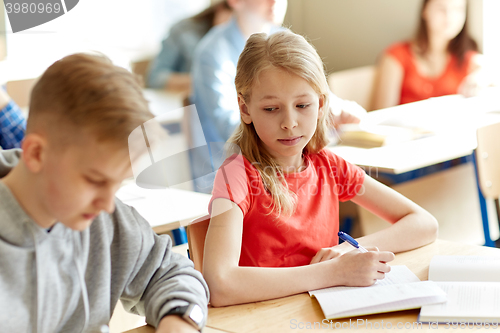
<point>442,59</point>
<point>12,123</point>
<point>170,69</point>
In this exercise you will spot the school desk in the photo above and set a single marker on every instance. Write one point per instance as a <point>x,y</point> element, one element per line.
<point>452,119</point>
<point>150,329</point>
<point>452,194</point>
<point>165,209</point>
<point>281,315</point>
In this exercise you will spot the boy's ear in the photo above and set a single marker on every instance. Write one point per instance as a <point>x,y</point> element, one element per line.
<point>34,151</point>
<point>245,116</point>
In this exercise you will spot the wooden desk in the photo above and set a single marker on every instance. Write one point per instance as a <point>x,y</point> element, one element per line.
<point>165,209</point>
<point>150,329</point>
<point>280,315</point>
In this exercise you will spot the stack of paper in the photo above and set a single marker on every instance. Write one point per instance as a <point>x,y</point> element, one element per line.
<point>472,284</point>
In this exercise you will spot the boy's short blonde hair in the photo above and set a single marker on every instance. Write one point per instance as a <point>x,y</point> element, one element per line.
<point>87,94</point>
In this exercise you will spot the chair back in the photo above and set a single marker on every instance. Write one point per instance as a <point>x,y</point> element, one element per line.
<point>354,84</point>
<point>196,234</point>
<point>488,160</point>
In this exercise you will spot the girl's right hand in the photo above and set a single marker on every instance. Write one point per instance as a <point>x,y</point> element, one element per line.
<point>357,269</point>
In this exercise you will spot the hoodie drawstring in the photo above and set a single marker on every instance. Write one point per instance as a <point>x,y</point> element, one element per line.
<point>81,278</point>
<point>36,323</point>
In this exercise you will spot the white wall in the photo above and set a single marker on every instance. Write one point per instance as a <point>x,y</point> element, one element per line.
<point>352,33</point>
<point>124,30</point>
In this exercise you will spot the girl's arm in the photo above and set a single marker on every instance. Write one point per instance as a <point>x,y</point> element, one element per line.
<point>232,284</point>
<point>388,82</point>
<point>412,225</point>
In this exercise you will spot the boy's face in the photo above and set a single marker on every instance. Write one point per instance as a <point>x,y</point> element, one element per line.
<point>80,181</point>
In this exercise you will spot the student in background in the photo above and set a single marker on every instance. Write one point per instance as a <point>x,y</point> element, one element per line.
<point>443,59</point>
<point>171,68</point>
<point>69,248</point>
<point>214,70</point>
<point>12,123</point>
<point>274,214</point>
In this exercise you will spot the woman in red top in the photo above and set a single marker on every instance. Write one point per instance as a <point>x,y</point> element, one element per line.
<point>274,209</point>
<point>442,60</point>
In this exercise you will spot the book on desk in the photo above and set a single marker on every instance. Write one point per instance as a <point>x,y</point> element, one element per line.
<point>378,135</point>
<point>472,285</point>
<point>399,290</point>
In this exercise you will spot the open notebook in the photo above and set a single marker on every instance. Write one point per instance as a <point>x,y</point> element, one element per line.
<point>472,284</point>
<point>400,290</point>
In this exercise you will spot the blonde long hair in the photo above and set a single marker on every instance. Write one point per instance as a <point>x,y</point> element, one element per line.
<point>292,53</point>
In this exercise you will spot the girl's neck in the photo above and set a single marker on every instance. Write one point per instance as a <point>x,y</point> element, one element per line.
<point>293,166</point>
<point>438,47</point>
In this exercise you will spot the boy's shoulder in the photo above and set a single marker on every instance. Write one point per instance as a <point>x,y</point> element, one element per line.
<point>124,223</point>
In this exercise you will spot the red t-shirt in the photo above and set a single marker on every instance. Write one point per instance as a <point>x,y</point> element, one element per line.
<point>416,87</point>
<point>292,241</point>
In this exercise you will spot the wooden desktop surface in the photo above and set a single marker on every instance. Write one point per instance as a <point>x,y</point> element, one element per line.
<point>150,329</point>
<point>282,315</point>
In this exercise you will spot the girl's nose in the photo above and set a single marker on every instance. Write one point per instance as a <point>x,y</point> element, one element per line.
<point>289,120</point>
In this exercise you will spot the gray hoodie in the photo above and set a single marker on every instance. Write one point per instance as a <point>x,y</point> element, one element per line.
<point>70,281</point>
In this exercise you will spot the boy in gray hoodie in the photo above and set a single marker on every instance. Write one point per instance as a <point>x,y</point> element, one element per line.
<point>68,248</point>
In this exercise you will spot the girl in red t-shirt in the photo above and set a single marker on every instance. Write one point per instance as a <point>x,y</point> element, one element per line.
<point>274,210</point>
<point>441,60</point>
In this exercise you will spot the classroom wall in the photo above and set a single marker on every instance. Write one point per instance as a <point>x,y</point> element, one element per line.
<point>352,33</point>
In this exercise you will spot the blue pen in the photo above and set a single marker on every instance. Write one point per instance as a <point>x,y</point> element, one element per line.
<point>345,237</point>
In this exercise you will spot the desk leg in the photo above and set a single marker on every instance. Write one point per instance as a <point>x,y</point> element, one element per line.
<point>484,209</point>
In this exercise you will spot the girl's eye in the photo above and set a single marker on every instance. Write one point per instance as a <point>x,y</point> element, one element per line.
<point>269,109</point>
<point>302,106</point>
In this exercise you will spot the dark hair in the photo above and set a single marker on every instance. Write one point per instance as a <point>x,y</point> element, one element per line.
<point>208,14</point>
<point>458,46</point>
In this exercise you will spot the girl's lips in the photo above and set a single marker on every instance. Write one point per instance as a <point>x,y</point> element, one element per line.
<point>290,141</point>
